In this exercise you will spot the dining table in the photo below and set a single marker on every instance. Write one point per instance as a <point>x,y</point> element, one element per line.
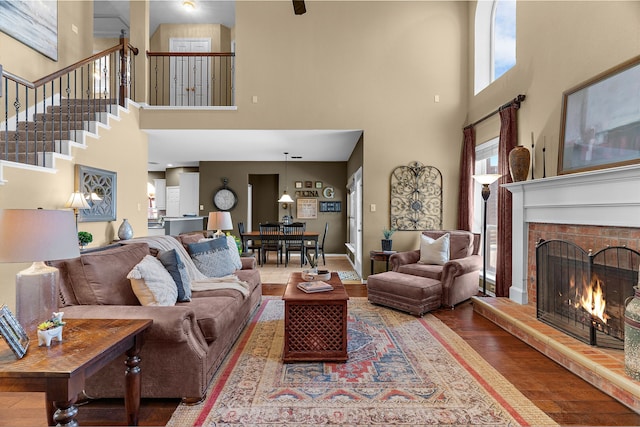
<point>308,236</point>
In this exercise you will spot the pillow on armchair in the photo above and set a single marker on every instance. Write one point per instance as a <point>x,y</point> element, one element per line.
<point>434,251</point>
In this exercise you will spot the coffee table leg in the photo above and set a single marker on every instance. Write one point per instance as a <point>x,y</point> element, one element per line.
<point>65,414</point>
<point>132,382</point>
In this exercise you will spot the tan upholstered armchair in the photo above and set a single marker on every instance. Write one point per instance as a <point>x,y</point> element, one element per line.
<point>459,276</point>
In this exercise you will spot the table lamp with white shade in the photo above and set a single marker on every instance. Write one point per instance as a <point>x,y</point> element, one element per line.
<point>37,235</point>
<point>219,221</point>
<point>485,180</point>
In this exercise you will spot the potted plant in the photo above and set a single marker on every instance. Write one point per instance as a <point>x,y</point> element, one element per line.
<point>387,242</point>
<point>84,238</point>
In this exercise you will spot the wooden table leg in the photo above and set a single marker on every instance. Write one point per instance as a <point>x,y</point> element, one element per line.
<point>132,382</point>
<point>65,414</point>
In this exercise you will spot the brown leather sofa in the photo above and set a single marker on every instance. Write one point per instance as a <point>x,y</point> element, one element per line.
<point>186,343</point>
<point>417,288</point>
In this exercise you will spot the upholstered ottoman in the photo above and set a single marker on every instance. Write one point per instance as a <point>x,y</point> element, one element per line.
<point>413,294</point>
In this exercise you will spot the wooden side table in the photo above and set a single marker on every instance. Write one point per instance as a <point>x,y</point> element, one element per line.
<point>60,370</point>
<point>315,325</point>
<point>380,256</point>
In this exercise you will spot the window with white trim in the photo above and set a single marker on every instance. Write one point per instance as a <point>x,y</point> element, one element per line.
<point>487,163</point>
<point>495,40</point>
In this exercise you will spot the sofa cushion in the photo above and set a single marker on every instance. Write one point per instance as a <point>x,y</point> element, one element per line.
<point>152,283</point>
<point>461,242</point>
<point>434,251</point>
<point>431,271</point>
<point>100,278</point>
<point>214,314</point>
<point>174,265</point>
<point>212,257</point>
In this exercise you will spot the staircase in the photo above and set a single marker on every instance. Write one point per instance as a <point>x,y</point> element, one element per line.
<point>42,120</point>
<point>35,142</point>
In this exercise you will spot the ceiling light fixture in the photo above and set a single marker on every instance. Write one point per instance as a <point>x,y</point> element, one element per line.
<point>285,198</point>
<point>189,4</point>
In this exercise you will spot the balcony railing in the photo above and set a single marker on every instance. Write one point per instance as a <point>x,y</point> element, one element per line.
<point>191,79</point>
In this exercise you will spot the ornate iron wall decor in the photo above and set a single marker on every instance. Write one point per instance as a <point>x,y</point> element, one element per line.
<point>99,188</point>
<point>416,197</point>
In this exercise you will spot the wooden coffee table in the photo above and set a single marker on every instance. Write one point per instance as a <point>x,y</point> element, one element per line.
<point>60,370</point>
<point>315,325</point>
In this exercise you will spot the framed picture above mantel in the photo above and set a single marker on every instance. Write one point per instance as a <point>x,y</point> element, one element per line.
<point>601,121</point>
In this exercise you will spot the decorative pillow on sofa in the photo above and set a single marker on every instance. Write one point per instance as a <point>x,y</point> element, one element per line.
<point>234,255</point>
<point>434,251</point>
<point>212,257</point>
<point>174,265</point>
<point>152,283</point>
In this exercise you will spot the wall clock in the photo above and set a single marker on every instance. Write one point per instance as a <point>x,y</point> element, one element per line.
<point>224,197</point>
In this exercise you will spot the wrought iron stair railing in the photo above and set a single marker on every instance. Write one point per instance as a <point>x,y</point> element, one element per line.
<point>40,117</point>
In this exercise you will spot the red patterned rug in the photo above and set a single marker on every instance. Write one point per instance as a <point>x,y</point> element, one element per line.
<point>402,371</point>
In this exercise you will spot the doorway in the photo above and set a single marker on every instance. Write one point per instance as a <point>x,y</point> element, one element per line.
<point>264,194</point>
<point>189,75</point>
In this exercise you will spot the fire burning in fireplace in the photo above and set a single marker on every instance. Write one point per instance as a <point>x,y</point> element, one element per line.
<point>592,300</point>
<point>583,294</point>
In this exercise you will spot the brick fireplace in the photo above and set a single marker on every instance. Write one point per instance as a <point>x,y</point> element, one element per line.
<point>593,210</point>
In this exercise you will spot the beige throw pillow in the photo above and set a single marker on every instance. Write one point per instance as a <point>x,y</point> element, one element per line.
<point>152,283</point>
<point>434,251</point>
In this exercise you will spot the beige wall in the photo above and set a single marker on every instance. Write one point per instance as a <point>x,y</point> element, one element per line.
<point>332,174</point>
<point>374,66</point>
<point>560,44</point>
<point>122,149</point>
<point>29,64</point>
<point>219,35</point>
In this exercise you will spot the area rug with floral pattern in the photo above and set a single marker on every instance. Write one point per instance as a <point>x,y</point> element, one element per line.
<point>402,371</point>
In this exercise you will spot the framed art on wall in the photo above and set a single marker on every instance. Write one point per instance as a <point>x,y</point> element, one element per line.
<point>298,184</point>
<point>99,187</point>
<point>34,23</point>
<point>601,121</point>
<point>307,208</point>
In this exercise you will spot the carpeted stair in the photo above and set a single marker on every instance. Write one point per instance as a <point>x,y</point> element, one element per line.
<point>32,141</point>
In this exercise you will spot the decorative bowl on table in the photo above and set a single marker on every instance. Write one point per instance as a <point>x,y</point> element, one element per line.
<point>315,274</point>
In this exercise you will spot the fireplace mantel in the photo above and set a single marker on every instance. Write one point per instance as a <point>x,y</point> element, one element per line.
<point>607,197</point>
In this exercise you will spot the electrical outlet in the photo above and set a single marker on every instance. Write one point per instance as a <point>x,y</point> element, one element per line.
<point>201,207</point>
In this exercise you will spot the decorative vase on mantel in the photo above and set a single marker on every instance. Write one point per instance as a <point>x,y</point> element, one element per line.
<point>519,160</point>
<point>125,232</point>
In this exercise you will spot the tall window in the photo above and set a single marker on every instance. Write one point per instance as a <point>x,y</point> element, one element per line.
<point>495,40</point>
<point>487,163</point>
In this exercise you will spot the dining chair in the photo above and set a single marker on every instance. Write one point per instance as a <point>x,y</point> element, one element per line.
<point>308,245</point>
<point>270,241</point>
<point>250,245</point>
<point>293,239</point>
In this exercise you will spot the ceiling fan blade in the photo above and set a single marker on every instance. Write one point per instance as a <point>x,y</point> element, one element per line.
<point>298,7</point>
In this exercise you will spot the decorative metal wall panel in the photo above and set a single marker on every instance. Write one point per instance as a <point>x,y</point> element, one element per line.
<point>416,197</point>
<point>99,187</point>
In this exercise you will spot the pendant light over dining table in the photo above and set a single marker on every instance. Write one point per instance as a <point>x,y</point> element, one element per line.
<point>285,198</point>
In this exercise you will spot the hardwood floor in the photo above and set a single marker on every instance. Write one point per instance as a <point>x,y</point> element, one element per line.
<point>566,398</point>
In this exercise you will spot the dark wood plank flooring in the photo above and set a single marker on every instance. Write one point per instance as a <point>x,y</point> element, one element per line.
<point>563,396</point>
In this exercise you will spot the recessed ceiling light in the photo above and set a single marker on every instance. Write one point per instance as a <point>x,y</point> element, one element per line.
<point>189,4</point>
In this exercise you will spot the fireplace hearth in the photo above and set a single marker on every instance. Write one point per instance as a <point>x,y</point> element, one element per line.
<point>583,293</point>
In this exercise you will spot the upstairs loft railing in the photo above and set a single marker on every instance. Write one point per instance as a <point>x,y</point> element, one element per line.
<point>37,116</point>
<point>191,79</point>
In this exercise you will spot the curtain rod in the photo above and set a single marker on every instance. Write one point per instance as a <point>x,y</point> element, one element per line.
<point>517,100</point>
